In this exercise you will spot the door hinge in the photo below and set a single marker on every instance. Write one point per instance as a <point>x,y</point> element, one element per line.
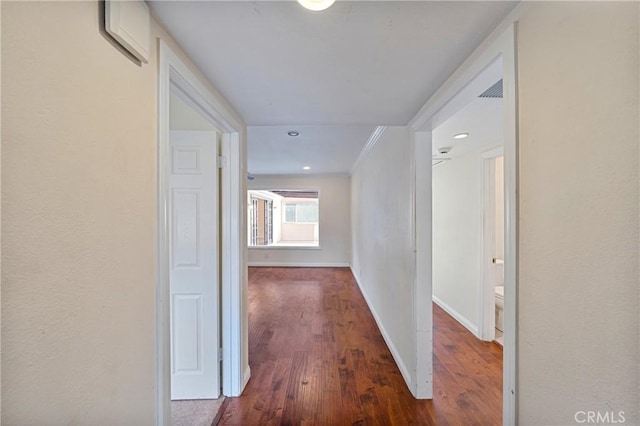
<point>220,354</point>
<point>222,162</point>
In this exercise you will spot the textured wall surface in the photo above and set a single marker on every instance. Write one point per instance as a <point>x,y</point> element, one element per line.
<point>578,278</point>
<point>382,240</point>
<point>79,220</point>
<point>335,221</point>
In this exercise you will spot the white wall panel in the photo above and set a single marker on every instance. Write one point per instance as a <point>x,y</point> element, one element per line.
<point>382,240</point>
<point>457,236</point>
<point>578,328</point>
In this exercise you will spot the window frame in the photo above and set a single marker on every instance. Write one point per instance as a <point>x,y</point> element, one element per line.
<point>284,246</point>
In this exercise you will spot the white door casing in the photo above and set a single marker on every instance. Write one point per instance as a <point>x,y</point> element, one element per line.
<point>194,265</point>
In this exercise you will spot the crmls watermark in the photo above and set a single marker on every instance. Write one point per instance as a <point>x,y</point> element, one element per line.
<point>599,417</point>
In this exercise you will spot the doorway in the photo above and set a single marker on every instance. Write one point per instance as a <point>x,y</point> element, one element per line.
<point>194,248</point>
<point>492,287</point>
<point>459,193</point>
<point>176,78</point>
<point>499,50</point>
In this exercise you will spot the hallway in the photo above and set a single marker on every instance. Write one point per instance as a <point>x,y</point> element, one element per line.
<point>318,358</point>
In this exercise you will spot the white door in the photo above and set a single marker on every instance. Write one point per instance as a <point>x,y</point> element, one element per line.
<point>194,275</point>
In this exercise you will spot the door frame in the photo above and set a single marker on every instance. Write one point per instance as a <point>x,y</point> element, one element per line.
<point>501,43</point>
<point>175,75</point>
<point>486,326</point>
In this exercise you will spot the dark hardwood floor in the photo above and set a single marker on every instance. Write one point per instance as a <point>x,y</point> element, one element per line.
<point>317,358</point>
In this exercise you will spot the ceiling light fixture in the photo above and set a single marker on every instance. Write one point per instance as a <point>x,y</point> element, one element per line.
<point>293,133</point>
<point>316,5</point>
<point>461,136</point>
<point>306,168</point>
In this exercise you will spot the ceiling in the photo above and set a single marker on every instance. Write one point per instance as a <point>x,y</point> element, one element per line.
<point>482,119</point>
<point>325,149</point>
<point>356,65</point>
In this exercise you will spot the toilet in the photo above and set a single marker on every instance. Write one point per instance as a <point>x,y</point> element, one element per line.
<point>500,308</point>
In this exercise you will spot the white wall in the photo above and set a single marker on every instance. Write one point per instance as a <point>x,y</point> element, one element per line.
<point>458,211</point>
<point>79,210</point>
<point>335,222</point>
<point>578,329</point>
<point>382,241</point>
<point>457,237</point>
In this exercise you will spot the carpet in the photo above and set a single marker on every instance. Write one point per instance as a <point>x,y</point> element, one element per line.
<point>200,412</point>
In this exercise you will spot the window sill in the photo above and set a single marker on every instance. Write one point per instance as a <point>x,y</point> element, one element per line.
<point>283,247</point>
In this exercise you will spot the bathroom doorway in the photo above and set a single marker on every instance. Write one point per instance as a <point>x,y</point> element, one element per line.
<point>492,290</point>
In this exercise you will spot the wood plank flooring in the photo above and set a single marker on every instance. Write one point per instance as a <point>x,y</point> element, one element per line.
<point>317,358</point>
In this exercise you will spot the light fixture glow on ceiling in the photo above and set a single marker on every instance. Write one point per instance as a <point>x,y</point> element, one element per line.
<point>293,133</point>
<point>461,135</point>
<point>316,5</point>
<point>306,168</point>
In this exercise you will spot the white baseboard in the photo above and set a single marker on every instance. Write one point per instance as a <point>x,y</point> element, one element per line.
<point>394,352</point>
<point>245,378</point>
<point>300,264</point>
<point>458,317</point>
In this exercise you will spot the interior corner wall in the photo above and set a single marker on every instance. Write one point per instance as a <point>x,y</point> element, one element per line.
<point>334,222</point>
<point>382,240</point>
<point>79,213</point>
<point>578,330</point>
<point>457,237</point>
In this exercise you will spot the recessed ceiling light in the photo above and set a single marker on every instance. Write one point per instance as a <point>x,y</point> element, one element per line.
<point>293,133</point>
<point>306,168</point>
<point>461,136</point>
<point>316,5</point>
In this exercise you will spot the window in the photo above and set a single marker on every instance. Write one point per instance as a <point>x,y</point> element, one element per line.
<point>268,222</point>
<point>301,212</point>
<point>253,222</point>
<point>260,221</point>
<point>283,218</point>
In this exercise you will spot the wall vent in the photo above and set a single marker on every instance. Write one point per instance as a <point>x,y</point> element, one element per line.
<point>494,91</point>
